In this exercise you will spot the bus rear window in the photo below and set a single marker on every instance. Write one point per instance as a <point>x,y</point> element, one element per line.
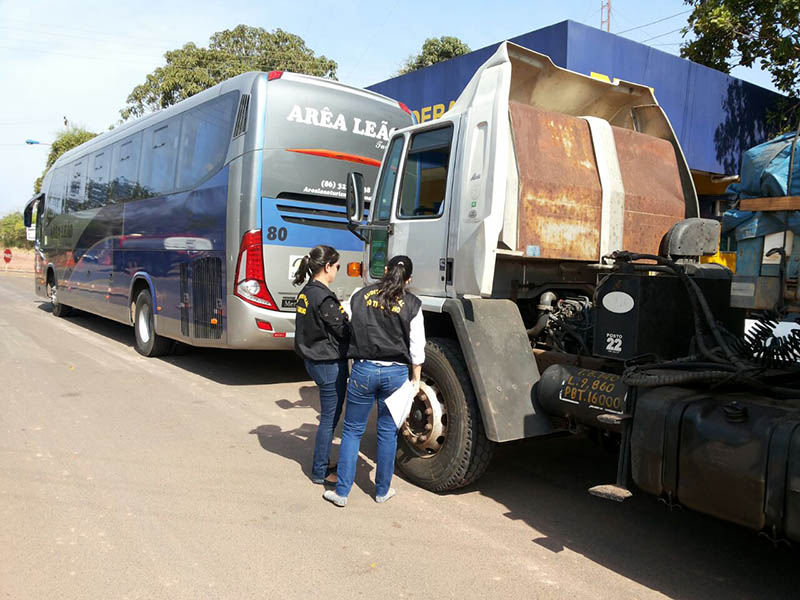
<point>204,139</point>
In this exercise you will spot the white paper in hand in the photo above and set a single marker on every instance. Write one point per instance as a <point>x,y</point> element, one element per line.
<point>399,403</point>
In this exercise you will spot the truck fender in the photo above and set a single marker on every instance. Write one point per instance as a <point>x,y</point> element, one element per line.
<point>501,366</point>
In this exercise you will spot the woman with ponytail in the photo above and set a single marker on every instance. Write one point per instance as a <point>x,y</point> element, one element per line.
<point>387,345</point>
<point>322,332</point>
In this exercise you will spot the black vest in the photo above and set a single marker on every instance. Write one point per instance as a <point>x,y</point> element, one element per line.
<point>381,332</point>
<point>313,338</point>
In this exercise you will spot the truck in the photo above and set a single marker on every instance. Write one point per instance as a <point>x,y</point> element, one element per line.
<point>555,235</point>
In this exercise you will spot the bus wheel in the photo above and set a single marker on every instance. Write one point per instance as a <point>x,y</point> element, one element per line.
<point>58,309</point>
<point>148,343</point>
<point>442,445</point>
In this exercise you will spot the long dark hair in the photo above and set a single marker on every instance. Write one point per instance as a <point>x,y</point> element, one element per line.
<point>314,262</point>
<point>392,285</point>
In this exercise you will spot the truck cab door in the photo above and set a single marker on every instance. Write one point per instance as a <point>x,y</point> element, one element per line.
<point>413,196</point>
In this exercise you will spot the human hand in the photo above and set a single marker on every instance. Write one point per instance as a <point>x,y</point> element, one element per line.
<point>415,383</point>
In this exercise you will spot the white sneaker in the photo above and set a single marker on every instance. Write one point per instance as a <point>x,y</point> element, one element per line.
<point>387,496</point>
<point>336,499</point>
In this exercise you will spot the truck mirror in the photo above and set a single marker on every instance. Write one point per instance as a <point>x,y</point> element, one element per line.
<point>355,198</point>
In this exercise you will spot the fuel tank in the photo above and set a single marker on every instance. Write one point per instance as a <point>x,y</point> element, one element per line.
<point>735,456</point>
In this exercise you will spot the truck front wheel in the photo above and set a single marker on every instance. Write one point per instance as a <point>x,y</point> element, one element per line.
<point>442,444</point>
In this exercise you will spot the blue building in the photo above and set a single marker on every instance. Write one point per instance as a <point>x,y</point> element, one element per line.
<point>715,116</point>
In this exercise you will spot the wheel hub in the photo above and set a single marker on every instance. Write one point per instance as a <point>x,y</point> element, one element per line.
<point>143,321</point>
<point>426,427</point>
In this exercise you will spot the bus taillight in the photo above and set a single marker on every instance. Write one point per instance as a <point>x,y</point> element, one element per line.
<point>250,284</point>
<point>274,75</point>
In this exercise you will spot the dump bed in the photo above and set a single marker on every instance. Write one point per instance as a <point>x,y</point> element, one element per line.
<point>556,165</point>
<point>560,196</point>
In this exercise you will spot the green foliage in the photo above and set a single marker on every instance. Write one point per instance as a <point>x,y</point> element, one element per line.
<point>192,69</point>
<point>730,33</point>
<point>435,50</point>
<point>66,140</point>
<point>12,232</point>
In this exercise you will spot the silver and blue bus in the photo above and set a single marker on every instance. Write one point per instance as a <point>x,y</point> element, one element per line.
<point>189,223</point>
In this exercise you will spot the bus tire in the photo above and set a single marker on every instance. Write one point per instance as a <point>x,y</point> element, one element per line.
<point>147,342</point>
<point>464,452</point>
<point>58,309</point>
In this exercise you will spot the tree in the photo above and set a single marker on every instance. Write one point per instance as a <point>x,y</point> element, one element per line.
<point>192,69</point>
<point>66,140</point>
<point>12,232</point>
<point>434,50</point>
<point>730,33</point>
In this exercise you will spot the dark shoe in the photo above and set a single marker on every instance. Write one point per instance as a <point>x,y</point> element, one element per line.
<point>329,479</point>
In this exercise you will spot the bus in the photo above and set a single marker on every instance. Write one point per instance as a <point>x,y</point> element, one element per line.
<point>189,223</point>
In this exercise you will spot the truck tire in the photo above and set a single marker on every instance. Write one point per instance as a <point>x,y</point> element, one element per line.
<point>147,342</point>
<point>461,452</point>
<point>58,309</point>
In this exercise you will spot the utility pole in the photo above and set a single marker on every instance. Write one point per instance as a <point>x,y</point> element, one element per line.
<point>605,15</point>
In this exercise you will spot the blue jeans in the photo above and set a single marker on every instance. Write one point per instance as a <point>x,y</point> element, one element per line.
<point>369,383</point>
<point>331,378</point>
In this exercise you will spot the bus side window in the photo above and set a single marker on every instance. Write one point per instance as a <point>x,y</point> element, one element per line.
<point>55,195</point>
<point>76,186</point>
<point>125,168</point>
<point>159,157</point>
<point>205,137</point>
<point>98,179</point>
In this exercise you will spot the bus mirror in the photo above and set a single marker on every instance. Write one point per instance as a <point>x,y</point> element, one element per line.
<point>355,198</point>
<point>30,207</point>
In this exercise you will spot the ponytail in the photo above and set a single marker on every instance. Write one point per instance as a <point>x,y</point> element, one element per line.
<point>392,285</point>
<point>314,262</point>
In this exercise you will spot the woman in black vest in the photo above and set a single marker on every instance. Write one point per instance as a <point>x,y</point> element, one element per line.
<point>321,337</point>
<point>388,347</point>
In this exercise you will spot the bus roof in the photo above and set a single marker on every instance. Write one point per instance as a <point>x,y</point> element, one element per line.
<point>243,83</point>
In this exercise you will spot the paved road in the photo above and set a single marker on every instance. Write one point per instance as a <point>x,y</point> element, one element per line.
<point>186,477</point>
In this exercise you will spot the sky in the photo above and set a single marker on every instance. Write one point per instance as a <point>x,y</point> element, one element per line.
<point>79,60</point>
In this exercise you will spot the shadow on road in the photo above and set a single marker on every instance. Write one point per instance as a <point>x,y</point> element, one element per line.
<point>679,553</point>
<point>224,366</point>
<point>298,445</point>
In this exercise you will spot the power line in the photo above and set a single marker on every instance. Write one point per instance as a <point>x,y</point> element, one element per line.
<point>654,22</point>
<point>616,15</point>
<point>93,38</point>
<point>142,60</point>
<point>92,31</point>
<point>655,37</point>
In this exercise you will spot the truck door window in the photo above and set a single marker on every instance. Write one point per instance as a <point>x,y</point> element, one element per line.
<point>425,174</point>
<point>382,205</point>
<point>383,198</point>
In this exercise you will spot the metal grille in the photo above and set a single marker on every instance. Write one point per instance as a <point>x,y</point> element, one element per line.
<point>241,117</point>
<point>207,297</point>
<point>316,211</point>
<point>184,304</point>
